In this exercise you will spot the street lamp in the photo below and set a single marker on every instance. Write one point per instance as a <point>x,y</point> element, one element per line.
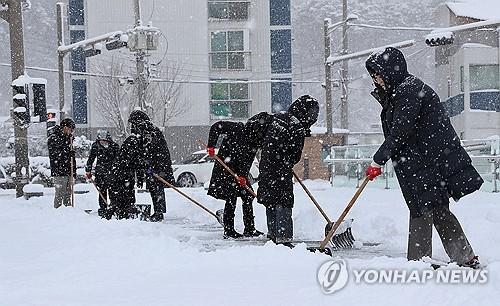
<point>328,28</point>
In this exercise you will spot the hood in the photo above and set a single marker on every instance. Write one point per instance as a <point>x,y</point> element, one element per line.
<point>390,64</point>
<point>256,127</point>
<point>305,109</point>
<point>138,116</point>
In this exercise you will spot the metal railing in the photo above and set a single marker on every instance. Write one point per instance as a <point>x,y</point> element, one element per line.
<point>351,161</point>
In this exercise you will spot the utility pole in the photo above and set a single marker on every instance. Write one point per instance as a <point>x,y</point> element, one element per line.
<point>344,73</point>
<point>328,78</point>
<point>60,56</point>
<point>140,58</point>
<point>14,17</point>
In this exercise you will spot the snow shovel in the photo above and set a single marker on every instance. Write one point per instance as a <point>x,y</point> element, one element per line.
<point>216,216</point>
<point>343,240</point>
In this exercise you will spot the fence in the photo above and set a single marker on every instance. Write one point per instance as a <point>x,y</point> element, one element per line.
<point>348,162</point>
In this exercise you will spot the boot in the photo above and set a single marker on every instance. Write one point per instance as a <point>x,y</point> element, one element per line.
<point>156,217</point>
<point>252,232</point>
<point>473,263</point>
<point>229,231</point>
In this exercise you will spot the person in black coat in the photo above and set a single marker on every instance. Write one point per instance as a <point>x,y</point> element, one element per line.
<point>105,150</point>
<point>238,149</point>
<point>281,149</point>
<point>429,161</point>
<point>62,161</point>
<point>156,160</point>
<point>122,179</point>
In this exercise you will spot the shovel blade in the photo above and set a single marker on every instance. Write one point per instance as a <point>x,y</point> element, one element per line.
<point>344,238</point>
<point>220,216</point>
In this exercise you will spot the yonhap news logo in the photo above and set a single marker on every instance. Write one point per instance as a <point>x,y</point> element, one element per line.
<point>333,275</point>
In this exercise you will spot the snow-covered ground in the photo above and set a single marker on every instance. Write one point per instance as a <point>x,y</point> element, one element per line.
<point>67,257</point>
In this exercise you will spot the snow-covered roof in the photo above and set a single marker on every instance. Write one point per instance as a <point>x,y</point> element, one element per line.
<point>478,9</point>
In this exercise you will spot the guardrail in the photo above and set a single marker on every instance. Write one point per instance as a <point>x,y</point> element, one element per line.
<point>388,171</point>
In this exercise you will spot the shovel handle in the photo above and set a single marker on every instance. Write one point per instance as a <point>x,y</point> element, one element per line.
<point>223,164</point>
<point>185,195</point>
<point>311,197</point>
<point>100,193</point>
<point>344,213</point>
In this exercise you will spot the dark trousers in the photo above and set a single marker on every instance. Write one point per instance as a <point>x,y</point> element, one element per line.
<point>123,201</point>
<point>279,223</point>
<point>157,192</point>
<point>248,217</point>
<point>448,227</point>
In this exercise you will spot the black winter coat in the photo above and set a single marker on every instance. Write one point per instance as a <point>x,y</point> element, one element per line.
<point>60,153</point>
<point>126,164</point>
<point>123,173</point>
<point>429,161</point>
<point>105,158</point>
<point>237,155</point>
<point>281,150</point>
<point>156,156</point>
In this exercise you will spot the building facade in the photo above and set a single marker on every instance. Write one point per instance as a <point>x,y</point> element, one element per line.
<point>467,71</point>
<point>232,59</point>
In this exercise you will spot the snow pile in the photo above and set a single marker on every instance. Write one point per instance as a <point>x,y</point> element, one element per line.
<point>66,257</point>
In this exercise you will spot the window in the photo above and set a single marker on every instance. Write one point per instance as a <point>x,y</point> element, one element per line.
<point>77,56</point>
<point>79,101</point>
<point>281,51</point>
<point>481,77</point>
<point>76,12</point>
<point>229,100</point>
<point>281,95</point>
<point>231,10</point>
<point>280,12</point>
<point>227,50</point>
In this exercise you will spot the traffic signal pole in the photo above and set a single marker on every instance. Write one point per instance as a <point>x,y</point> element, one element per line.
<point>14,17</point>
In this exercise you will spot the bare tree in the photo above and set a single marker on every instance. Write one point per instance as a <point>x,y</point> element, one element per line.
<point>117,96</point>
<point>167,101</point>
<point>114,97</point>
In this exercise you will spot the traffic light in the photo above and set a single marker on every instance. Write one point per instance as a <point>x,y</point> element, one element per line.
<point>439,39</point>
<point>20,113</point>
<point>51,120</point>
<point>115,44</point>
<point>39,102</point>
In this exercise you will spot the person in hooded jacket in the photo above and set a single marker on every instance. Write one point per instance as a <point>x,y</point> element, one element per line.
<point>105,150</point>
<point>122,179</point>
<point>62,161</point>
<point>156,160</point>
<point>429,161</point>
<point>281,149</point>
<point>238,149</point>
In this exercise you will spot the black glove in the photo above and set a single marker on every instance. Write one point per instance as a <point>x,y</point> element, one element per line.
<point>140,184</point>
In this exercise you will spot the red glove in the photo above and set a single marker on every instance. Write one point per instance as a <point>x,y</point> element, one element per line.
<point>88,175</point>
<point>211,151</point>
<point>242,181</point>
<point>373,171</point>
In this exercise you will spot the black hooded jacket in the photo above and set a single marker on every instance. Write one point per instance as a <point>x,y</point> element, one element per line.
<point>60,154</point>
<point>282,148</point>
<point>105,157</point>
<point>429,161</point>
<point>238,148</point>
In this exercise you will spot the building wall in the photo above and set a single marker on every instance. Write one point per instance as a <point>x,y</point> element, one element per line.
<point>473,113</point>
<point>316,148</point>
